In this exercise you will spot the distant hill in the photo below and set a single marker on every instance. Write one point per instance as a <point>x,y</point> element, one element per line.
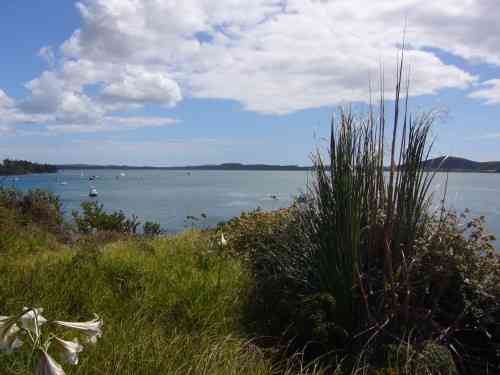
<point>455,164</point>
<point>450,164</point>
<point>224,167</point>
<point>19,167</point>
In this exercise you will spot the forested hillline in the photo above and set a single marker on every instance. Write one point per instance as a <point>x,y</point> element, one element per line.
<point>19,167</point>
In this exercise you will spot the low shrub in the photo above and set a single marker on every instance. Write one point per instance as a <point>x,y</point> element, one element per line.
<point>94,218</point>
<point>152,228</point>
<point>38,207</point>
<point>253,231</point>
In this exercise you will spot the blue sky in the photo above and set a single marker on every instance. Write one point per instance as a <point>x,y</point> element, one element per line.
<point>192,82</point>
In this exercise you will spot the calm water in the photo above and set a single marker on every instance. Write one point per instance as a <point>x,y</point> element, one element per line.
<point>170,196</point>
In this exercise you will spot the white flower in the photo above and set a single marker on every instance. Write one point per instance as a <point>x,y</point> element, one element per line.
<point>48,366</point>
<point>68,350</point>
<point>32,320</point>
<point>223,241</point>
<point>91,329</point>
<point>9,330</point>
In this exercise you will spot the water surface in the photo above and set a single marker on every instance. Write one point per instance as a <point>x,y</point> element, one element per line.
<point>169,197</point>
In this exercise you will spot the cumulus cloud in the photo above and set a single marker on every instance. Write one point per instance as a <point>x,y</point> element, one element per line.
<point>272,56</point>
<point>5,100</point>
<point>137,85</point>
<point>11,115</point>
<point>490,92</point>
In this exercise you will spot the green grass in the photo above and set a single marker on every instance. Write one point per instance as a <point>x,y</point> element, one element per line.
<point>170,305</point>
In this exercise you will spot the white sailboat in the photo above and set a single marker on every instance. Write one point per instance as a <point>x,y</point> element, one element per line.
<point>93,192</point>
<point>61,182</point>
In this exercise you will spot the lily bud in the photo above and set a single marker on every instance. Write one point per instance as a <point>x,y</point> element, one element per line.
<point>223,241</point>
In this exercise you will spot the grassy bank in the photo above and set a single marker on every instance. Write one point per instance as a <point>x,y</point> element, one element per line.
<point>169,305</point>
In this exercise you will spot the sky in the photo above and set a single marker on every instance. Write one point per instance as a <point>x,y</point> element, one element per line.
<point>169,83</point>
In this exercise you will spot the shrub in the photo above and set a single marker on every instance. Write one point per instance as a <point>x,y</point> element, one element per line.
<point>34,207</point>
<point>152,228</point>
<point>94,218</point>
<point>253,231</point>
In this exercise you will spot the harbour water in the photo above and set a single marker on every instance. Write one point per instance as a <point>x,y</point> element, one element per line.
<point>169,197</point>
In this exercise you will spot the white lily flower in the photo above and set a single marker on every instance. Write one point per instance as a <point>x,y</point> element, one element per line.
<point>48,366</point>
<point>32,320</point>
<point>68,349</point>
<point>91,329</point>
<point>9,330</point>
<point>223,241</point>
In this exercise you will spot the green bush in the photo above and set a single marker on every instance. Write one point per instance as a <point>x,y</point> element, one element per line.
<point>152,228</point>
<point>94,218</point>
<point>38,207</point>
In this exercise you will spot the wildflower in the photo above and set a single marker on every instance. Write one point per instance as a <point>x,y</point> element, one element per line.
<point>223,241</point>
<point>9,330</point>
<point>91,329</point>
<point>48,366</point>
<point>68,350</point>
<point>32,320</point>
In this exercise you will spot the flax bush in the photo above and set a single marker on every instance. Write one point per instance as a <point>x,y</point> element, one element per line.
<point>364,264</point>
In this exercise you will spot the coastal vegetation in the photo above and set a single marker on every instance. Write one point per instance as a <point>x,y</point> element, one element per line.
<point>359,276</point>
<point>186,303</point>
<point>19,167</point>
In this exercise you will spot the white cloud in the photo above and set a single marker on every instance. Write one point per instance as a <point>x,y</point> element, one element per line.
<point>11,115</point>
<point>272,56</point>
<point>138,85</point>
<point>113,123</point>
<point>47,53</point>
<point>490,92</point>
<point>5,100</point>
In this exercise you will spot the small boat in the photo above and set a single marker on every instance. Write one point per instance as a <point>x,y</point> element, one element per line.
<point>93,192</point>
<point>122,174</point>
<point>272,196</point>
<point>61,182</point>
